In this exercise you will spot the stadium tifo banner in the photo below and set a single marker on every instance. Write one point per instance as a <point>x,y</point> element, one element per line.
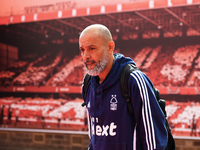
<point>76,9</point>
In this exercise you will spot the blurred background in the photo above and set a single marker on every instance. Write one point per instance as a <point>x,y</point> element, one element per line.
<point>41,70</point>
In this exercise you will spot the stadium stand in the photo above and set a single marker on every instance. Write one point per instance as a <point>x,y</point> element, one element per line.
<point>72,114</point>
<point>31,111</point>
<point>175,65</point>
<point>38,71</point>
<point>171,66</point>
<point>74,69</point>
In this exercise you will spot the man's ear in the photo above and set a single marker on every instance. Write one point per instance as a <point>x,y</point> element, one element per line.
<point>111,46</point>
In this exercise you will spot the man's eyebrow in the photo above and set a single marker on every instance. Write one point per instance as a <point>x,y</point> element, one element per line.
<point>89,46</point>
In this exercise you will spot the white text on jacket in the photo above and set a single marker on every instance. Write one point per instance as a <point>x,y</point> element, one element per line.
<point>105,130</point>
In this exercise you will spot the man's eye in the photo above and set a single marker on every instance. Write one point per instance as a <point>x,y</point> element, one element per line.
<point>92,48</point>
<point>81,50</point>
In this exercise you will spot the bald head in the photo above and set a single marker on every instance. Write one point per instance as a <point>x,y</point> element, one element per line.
<point>96,47</point>
<point>99,31</point>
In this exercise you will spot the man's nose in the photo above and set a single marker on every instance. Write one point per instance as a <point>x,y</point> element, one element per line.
<point>86,55</point>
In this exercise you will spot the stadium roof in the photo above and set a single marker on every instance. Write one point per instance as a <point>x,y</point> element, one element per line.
<point>150,19</point>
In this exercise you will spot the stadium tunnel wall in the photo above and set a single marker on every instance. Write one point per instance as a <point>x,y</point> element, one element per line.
<point>23,140</point>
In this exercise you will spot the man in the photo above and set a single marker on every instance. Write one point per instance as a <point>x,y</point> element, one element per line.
<point>17,112</point>
<point>193,126</point>
<point>110,124</point>
<point>59,117</point>
<point>9,114</point>
<point>2,115</point>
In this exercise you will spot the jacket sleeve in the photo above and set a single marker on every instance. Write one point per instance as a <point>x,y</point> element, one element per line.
<point>149,131</point>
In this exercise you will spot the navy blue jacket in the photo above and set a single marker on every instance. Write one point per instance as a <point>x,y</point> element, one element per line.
<point>111,126</point>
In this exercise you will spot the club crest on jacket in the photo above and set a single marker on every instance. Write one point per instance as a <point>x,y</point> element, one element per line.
<point>113,102</point>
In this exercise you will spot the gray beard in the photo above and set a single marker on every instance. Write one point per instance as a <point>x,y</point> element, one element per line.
<point>100,66</point>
